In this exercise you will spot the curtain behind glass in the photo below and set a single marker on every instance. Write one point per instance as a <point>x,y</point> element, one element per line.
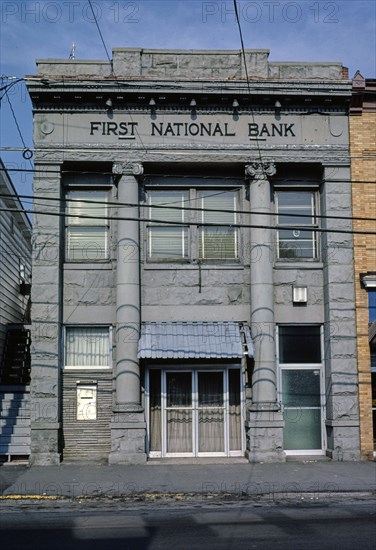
<point>179,412</point>
<point>211,412</point>
<point>87,347</point>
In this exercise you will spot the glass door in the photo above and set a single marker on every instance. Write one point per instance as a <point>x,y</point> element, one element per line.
<point>301,399</point>
<point>179,413</point>
<point>211,412</point>
<point>194,412</point>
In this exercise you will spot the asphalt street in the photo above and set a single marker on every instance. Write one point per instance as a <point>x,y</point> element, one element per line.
<point>345,523</point>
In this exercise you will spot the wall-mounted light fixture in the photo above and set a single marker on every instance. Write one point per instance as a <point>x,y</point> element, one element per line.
<point>109,104</point>
<point>277,107</point>
<point>193,106</point>
<point>299,294</point>
<point>235,106</point>
<point>152,106</point>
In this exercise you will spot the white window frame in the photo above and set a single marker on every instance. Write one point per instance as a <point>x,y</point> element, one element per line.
<point>192,220</point>
<point>69,253</point>
<point>305,366</point>
<point>87,367</point>
<point>183,226</point>
<point>194,407</point>
<point>310,226</point>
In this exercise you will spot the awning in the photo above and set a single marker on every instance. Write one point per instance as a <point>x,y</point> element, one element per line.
<point>194,340</point>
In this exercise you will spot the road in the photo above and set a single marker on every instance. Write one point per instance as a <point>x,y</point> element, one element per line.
<point>309,524</point>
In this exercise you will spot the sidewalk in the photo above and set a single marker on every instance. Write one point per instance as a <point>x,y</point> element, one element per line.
<point>241,479</point>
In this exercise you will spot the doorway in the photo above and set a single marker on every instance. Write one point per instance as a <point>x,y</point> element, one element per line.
<point>194,412</point>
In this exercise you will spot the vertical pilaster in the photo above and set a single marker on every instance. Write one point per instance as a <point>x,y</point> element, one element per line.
<point>128,427</point>
<point>265,423</point>
<point>341,379</point>
<point>46,317</point>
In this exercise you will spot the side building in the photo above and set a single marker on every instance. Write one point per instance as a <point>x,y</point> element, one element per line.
<point>193,288</point>
<point>15,279</point>
<point>363,173</point>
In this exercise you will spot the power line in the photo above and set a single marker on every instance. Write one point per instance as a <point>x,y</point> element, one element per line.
<point>303,228</point>
<point>100,34</point>
<point>18,127</point>
<point>168,206</point>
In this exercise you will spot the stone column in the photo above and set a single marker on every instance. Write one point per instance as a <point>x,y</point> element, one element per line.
<point>265,423</point>
<point>46,318</point>
<point>128,427</point>
<point>341,377</point>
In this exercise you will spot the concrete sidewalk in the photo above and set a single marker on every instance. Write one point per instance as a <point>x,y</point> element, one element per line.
<point>235,478</point>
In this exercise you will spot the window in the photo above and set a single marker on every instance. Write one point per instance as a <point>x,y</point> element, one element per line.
<point>218,243</point>
<point>188,239</point>
<point>372,305</point>
<point>87,347</point>
<point>86,226</point>
<point>296,208</point>
<point>299,344</point>
<point>166,240</point>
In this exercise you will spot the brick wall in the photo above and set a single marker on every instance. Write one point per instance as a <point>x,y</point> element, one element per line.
<point>363,172</point>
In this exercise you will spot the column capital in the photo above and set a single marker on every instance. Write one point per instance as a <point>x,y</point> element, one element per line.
<point>128,168</point>
<point>260,170</point>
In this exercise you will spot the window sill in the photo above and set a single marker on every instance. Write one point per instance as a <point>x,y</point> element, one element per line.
<point>102,265</point>
<point>192,267</point>
<point>88,369</point>
<point>302,264</point>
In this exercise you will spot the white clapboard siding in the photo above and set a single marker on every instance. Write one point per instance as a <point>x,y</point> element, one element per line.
<point>14,422</point>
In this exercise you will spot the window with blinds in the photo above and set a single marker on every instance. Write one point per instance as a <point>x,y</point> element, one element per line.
<point>216,242</point>
<point>167,232</point>
<point>296,208</point>
<point>87,347</point>
<point>87,228</point>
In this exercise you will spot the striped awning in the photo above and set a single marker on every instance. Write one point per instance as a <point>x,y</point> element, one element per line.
<point>194,340</point>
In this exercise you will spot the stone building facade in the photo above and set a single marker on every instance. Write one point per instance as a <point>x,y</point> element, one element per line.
<point>363,174</point>
<point>193,286</point>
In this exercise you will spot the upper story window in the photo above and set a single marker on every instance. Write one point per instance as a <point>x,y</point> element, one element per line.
<point>216,242</point>
<point>296,208</point>
<point>188,239</point>
<point>86,226</point>
<point>166,240</point>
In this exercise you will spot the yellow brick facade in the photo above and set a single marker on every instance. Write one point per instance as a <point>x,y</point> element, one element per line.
<point>363,173</point>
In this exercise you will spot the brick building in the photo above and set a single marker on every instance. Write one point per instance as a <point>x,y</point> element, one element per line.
<point>196,296</point>
<point>363,174</point>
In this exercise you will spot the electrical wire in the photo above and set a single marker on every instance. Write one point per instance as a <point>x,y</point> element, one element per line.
<point>304,228</point>
<point>100,34</point>
<point>169,206</point>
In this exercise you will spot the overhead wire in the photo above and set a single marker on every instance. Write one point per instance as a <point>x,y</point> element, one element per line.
<point>169,206</point>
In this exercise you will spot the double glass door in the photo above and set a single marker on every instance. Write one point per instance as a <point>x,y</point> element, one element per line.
<point>195,413</point>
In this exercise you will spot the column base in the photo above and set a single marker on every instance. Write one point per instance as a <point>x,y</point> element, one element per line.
<point>264,429</point>
<point>128,437</point>
<point>343,440</point>
<point>45,445</point>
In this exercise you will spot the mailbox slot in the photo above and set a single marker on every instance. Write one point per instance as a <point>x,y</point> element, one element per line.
<point>86,401</point>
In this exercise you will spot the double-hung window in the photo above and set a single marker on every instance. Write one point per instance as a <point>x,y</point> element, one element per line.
<point>296,208</point>
<point>218,242</point>
<point>87,228</point>
<point>168,227</point>
<point>192,224</point>
<point>87,347</point>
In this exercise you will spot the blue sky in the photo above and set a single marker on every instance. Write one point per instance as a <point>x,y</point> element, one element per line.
<point>304,30</point>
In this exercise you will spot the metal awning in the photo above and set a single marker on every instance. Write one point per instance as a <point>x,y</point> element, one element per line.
<point>194,340</point>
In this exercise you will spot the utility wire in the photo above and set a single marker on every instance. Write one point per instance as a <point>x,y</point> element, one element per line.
<point>100,34</point>
<point>18,126</point>
<point>191,223</point>
<point>168,206</point>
